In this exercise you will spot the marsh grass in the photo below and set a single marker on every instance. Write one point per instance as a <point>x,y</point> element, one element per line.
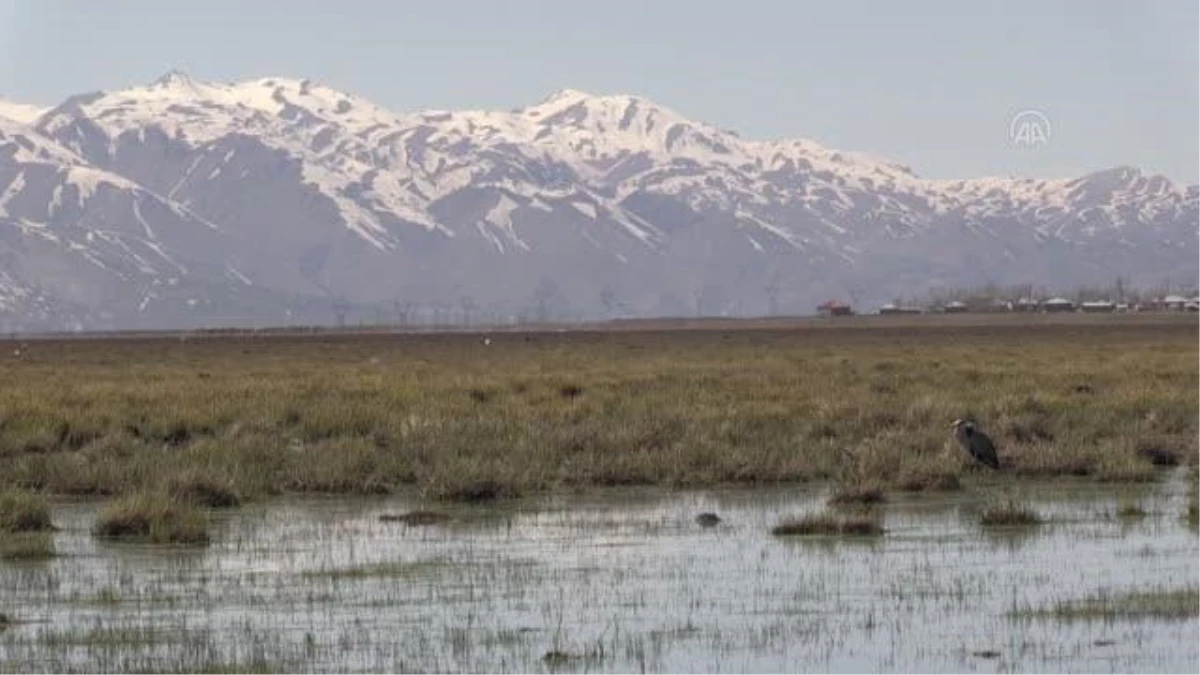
<point>118,637</point>
<point>153,517</point>
<point>27,546</point>
<point>386,570</point>
<point>1155,604</point>
<point>863,494</point>
<point>22,511</point>
<point>1193,514</point>
<point>919,479</point>
<point>1131,510</point>
<point>557,658</point>
<point>203,490</point>
<point>1009,513</point>
<point>829,525</point>
<point>372,414</point>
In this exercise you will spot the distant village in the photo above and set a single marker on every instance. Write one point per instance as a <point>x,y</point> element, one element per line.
<point>990,302</point>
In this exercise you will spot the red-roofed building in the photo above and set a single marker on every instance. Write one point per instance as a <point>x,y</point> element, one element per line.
<point>834,308</point>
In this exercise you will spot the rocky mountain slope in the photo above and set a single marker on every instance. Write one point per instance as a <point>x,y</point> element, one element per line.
<point>187,203</point>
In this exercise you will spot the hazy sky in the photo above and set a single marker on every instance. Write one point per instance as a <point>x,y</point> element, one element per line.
<point>930,84</point>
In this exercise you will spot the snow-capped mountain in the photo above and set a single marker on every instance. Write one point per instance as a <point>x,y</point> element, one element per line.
<point>254,199</point>
<point>21,112</point>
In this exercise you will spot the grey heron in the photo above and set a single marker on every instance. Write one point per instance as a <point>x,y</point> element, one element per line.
<point>976,443</point>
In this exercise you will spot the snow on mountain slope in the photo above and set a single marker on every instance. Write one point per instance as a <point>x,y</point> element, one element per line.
<point>21,143</point>
<point>303,189</point>
<point>199,111</point>
<point>75,238</point>
<point>331,135</point>
<point>21,112</point>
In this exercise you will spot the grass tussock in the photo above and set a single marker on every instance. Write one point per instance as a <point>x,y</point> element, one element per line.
<point>27,546</point>
<point>22,511</point>
<point>828,525</point>
<point>1009,514</point>
<point>153,517</point>
<point>205,491</point>
<point>918,479</point>
<point>857,494</point>
<point>1193,508</point>
<point>1155,604</point>
<point>851,402</point>
<point>1156,452</point>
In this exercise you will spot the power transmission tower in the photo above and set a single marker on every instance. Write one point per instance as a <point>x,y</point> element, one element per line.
<point>468,306</point>
<point>772,291</point>
<point>402,309</point>
<point>340,309</point>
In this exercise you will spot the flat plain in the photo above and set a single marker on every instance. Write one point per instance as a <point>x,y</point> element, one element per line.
<point>474,416</point>
<point>632,496</point>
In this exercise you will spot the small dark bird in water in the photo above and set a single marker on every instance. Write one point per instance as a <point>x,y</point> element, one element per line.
<point>976,442</point>
<point>708,519</point>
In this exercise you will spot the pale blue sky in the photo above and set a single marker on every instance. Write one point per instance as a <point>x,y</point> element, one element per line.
<point>929,84</point>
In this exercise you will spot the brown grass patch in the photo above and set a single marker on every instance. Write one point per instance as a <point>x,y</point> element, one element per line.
<point>27,546</point>
<point>1009,514</point>
<point>418,517</point>
<point>153,517</point>
<point>829,525</point>
<point>22,511</point>
<point>857,494</point>
<point>853,402</point>
<point>205,491</point>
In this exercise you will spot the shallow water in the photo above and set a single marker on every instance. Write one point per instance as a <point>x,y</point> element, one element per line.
<point>620,581</point>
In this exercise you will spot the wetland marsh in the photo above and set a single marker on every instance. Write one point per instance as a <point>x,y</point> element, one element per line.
<point>625,580</point>
<point>784,498</point>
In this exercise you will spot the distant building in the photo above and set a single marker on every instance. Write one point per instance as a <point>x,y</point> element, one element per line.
<point>834,308</point>
<point>954,307</point>
<point>1098,306</point>
<point>1058,305</point>
<point>1026,305</point>
<point>1174,303</point>
<point>1000,306</point>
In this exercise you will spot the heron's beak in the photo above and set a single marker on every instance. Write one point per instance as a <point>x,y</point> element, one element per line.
<point>955,423</point>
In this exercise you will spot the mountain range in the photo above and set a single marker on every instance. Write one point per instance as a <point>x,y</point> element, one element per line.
<point>186,203</point>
